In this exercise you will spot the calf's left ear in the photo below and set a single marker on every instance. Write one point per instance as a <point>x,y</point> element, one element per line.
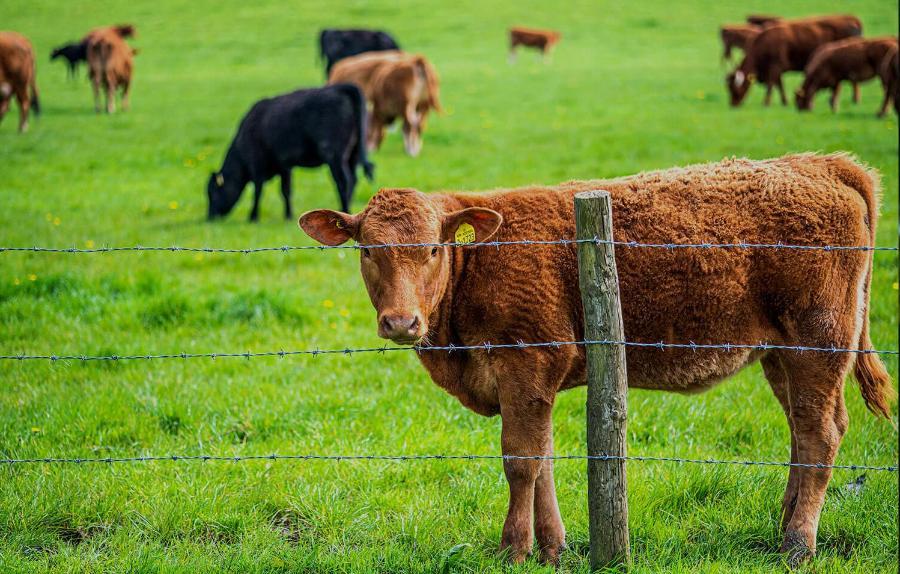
<point>472,225</point>
<point>329,227</point>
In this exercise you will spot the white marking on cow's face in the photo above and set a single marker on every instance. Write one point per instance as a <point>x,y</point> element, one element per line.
<point>739,78</point>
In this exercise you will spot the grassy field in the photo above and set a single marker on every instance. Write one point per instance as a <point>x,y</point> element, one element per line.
<point>632,86</point>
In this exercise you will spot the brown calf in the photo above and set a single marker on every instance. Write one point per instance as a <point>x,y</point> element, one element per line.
<point>783,47</point>
<point>110,64</point>
<point>462,296</point>
<point>17,76</point>
<point>398,85</point>
<point>543,40</point>
<point>855,60</point>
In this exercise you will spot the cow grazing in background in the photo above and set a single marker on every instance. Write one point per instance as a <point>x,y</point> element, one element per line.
<point>463,296</point>
<point>543,40</point>
<point>306,128</point>
<point>398,85</point>
<point>110,64</point>
<point>783,47</point>
<point>891,72</point>
<point>762,19</point>
<point>736,36</point>
<point>854,60</point>
<point>73,53</point>
<point>17,77</point>
<point>335,45</point>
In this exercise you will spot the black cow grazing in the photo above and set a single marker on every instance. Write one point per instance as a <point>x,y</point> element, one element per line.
<point>73,53</point>
<point>335,45</point>
<point>306,128</point>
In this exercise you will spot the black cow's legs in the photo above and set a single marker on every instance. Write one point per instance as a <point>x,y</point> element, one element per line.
<point>286,193</point>
<point>345,180</point>
<point>257,194</point>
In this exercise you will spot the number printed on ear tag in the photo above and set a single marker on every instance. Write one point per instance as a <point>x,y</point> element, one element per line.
<point>465,233</point>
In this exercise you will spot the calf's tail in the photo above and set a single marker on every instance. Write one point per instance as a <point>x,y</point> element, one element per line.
<point>874,380</point>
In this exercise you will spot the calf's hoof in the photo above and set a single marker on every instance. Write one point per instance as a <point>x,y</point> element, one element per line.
<point>796,548</point>
<point>550,554</point>
<point>515,551</point>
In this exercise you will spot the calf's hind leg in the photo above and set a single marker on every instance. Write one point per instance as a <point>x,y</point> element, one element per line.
<point>819,420</point>
<point>777,377</point>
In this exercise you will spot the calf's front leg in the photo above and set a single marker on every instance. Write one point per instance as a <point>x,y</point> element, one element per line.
<point>527,431</point>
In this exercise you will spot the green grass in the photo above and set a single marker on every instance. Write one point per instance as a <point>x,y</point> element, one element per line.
<point>632,86</point>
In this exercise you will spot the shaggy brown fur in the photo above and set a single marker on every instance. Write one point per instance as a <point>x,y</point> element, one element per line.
<point>110,64</point>
<point>783,47</point>
<point>855,60</point>
<point>17,76</point>
<point>465,296</point>
<point>543,40</point>
<point>398,85</point>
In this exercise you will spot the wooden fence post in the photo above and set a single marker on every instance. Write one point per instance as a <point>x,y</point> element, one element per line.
<point>607,383</point>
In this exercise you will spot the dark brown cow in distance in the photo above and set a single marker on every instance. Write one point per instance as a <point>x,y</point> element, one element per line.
<point>854,60</point>
<point>17,76</point>
<point>891,73</point>
<point>543,40</point>
<point>447,295</point>
<point>110,63</point>
<point>783,47</point>
<point>762,19</point>
<point>398,85</point>
<point>736,36</point>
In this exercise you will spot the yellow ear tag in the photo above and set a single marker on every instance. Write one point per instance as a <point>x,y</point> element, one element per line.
<point>465,233</point>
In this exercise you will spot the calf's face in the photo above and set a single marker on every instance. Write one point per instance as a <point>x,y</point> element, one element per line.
<point>405,283</point>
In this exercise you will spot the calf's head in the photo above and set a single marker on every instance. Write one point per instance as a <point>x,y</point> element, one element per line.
<point>222,195</point>
<point>405,284</point>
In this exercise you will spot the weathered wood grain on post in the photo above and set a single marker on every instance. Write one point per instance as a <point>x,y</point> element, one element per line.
<point>607,383</point>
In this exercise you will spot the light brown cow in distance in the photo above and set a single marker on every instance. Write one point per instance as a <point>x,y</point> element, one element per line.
<point>110,64</point>
<point>17,76</point>
<point>397,85</point>
<point>783,47</point>
<point>854,60</point>
<point>466,296</point>
<point>543,40</point>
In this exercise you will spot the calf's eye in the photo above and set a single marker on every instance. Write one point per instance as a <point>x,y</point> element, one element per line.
<point>434,251</point>
<point>365,252</point>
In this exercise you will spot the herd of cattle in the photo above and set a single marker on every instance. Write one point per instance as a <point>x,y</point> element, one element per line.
<point>829,50</point>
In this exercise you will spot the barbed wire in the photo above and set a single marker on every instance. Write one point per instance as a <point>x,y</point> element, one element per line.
<point>488,347</point>
<point>497,244</point>
<point>422,457</point>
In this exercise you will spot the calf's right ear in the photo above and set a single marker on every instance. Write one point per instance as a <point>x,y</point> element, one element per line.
<point>329,227</point>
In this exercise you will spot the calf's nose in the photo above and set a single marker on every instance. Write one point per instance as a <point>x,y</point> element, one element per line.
<point>396,326</point>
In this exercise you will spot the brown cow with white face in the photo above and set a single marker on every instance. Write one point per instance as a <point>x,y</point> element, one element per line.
<point>443,295</point>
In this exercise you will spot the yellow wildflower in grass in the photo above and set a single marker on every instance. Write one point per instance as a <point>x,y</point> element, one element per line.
<point>189,162</point>
<point>344,313</point>
<point>89,243</point>
<point>896,285</point>
<point>701,95</point>
<point>173,205</point>
<point>32,277</point>
<point>198,257</point>
<point>48,217</point>
<point>57,221</point>
<point>16,281</point>
<point>333,326</point>
<point>35,429</point>
<point>328,303</point>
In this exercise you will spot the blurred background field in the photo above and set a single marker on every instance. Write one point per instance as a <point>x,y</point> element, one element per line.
<point>630,87</point>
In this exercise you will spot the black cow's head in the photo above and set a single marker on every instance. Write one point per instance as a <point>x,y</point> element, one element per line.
<point>222,195</point>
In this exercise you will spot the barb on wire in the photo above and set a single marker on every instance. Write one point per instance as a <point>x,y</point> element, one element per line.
<point>531,242</point>
<point>488,347</point>
<point>422,457</point>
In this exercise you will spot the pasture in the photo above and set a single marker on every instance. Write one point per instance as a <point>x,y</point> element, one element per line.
<point>630,87</point>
